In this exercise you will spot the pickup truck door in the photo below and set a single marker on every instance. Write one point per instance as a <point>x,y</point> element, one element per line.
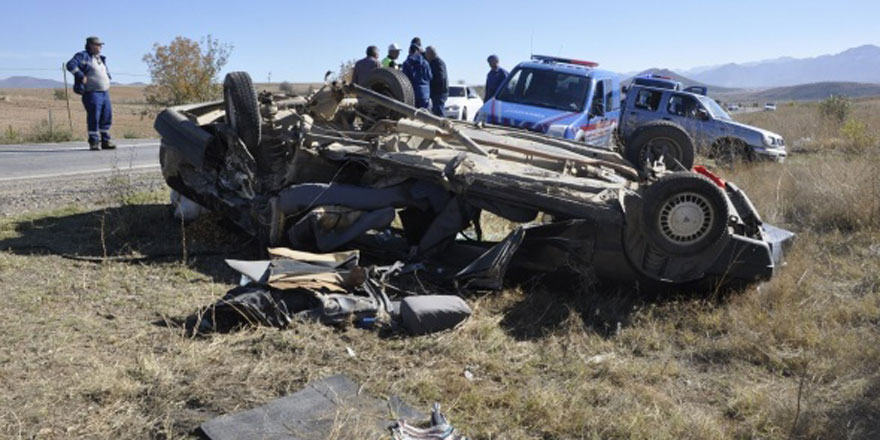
<point>642,106</point>
<point>683,110</point>
<point>601,117</point>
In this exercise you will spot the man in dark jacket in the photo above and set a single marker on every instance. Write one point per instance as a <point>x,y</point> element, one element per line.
<point>365,65</point>
<point>92,81</point>
<point>439,81</point>
<point>417,69</point>
<point>494,78</point>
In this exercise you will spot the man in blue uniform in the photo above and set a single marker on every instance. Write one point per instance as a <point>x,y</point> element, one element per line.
<point>439,81</point>
<point>494,78</point>
<point>417,69</point>
<point>92,81</point>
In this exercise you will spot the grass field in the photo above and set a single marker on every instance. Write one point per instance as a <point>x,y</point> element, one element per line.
<point>86,350</point>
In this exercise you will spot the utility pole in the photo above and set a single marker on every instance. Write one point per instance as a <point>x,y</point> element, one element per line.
<point>270,78</point>
<point>67,98</point>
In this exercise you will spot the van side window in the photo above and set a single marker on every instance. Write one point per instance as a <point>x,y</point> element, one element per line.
<point>648,100</point>
<point>682,105</point>
<point>597,107</point>
<point>610,103</point>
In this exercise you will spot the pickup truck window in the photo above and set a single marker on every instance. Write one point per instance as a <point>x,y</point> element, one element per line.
<point>648,100</point>
<point>546,88</point>
<point>682,105</point>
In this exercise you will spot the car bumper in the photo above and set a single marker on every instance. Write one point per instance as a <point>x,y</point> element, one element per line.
<point>453,114</point>
<point>770,154</point>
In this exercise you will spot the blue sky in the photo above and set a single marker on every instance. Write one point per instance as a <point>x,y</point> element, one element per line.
<point>299,41</point>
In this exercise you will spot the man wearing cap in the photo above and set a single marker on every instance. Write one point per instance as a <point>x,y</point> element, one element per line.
<point>390,60</point>
<point>494,78</point>
<point>418,71</point>
<point>365,65</point>
<point>92,81</point>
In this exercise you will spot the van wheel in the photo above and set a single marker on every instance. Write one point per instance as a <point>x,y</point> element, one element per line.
<point>660,140</point>
<point>242,110</point>
<point>684,214</point>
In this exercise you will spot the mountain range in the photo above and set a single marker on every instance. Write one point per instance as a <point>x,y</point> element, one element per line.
<point>859,64</point>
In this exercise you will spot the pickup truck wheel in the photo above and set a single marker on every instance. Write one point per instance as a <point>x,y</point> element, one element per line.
<point>684,214</point>
<point>730,153</point>
<point>392,83</point>
<point>658,140</point>
<point>242,110</point>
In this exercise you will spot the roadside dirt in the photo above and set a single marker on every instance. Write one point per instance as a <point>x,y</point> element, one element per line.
<point>23,197</point>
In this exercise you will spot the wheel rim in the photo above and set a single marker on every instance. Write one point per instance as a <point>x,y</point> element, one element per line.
<point>686,218</point>
<point>663,147</point>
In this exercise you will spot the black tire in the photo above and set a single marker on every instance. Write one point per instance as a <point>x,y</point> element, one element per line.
<point>684,214</point>
<point>242,109</point>
<point>728,153</point>
<point>392,83</point>
<point>661,138</point>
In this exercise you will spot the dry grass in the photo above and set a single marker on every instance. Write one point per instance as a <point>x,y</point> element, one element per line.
<point>85,353</point>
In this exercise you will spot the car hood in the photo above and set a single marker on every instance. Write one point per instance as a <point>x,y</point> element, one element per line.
<point>456,100</point>
<point>526,116</point>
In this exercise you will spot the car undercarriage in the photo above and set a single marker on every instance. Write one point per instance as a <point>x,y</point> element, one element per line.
<point>350,166</point>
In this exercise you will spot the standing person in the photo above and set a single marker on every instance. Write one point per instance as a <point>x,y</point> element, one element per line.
<point>417,42</point>
<point>494,78</point>
<point>365,65</point>
<point>439,81</point>
<point>92,81</point>
<point>390,60</point>
<point>418,71</point>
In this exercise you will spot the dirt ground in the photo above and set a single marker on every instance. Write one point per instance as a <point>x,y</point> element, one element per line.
<point>93,292</point>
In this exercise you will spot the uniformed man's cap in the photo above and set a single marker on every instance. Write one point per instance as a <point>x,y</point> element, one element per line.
<point>94,40</point>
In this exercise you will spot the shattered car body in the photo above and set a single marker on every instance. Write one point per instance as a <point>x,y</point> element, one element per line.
<point>360,167</point>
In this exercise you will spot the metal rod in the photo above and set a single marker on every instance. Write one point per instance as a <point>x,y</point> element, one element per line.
<point>417,114</point>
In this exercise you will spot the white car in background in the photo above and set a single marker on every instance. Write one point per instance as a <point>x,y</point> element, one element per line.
<point>770,107</point>
<point>462,103</point>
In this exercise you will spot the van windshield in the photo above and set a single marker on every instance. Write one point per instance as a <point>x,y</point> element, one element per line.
<point>546,88</point>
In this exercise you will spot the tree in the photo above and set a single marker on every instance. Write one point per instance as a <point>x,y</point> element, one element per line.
<point>185,71</point>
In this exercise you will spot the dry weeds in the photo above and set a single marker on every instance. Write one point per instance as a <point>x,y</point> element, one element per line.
<point>86,352</point>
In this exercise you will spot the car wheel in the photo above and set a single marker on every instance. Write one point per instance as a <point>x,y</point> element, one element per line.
<point>392,83</point>
<point>660,140</point>
<point>684,214</point>
<point>242,110</point>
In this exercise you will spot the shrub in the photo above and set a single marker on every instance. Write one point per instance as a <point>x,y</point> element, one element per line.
<point>185,71</point>
<point>835,108</point>
<point>59,94</point>
<point>286,87</point>
<point>857,137</point>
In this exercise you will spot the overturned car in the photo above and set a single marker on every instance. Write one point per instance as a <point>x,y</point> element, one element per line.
<point>349,166</point>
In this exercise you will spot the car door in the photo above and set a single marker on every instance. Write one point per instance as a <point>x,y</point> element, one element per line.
<point>600,125</point>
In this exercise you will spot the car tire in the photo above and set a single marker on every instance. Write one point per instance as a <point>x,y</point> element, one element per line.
<point>392,83</point>
<point>242,109</point>
<point>684,214</point>
<point>664,138</point>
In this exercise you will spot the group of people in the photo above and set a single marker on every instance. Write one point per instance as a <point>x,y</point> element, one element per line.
<point>426,71</point>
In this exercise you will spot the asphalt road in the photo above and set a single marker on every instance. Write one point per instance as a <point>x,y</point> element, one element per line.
<point>40,161</point>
